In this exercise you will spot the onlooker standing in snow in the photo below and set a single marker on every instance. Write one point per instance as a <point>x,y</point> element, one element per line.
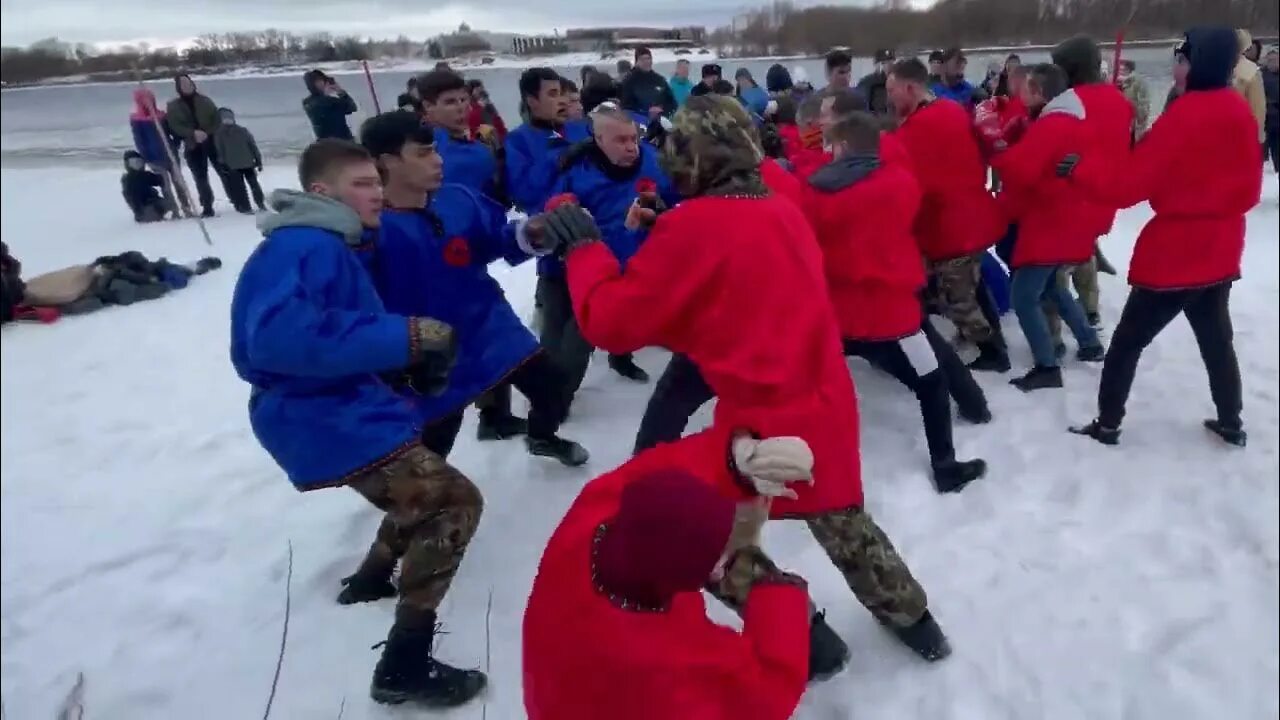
<point>140,189</point>
<point>1011,63</point>
<point>679,82</point>
<point>1271,83</point>
<point>935,67</point>
<point>1180,67</point>
<point>952,85</point>
<point>623,68</point>
<point>1246,78</point>
<point>194,118</point>
<point>644,91</point>
<point>753,97</point>
<point>572,100</point>
<point>483,118</point>
<point>777,81</point>
<point>1135,90</point>
<point>1189,254</point>
<point>149,140</point>
<point>711,74</point>
<point>239,154</point>
<point>327,106</point>
<point>410,99</point>
<point>839,66</point>
<point>872,85</point>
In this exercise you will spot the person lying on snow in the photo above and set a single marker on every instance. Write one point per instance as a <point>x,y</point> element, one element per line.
<point>431,256</point>
<point>1189,253</point>
<point>317,347</point>
<point>616,626</point>
<point>861,208</point>
<point>607,174</point>
<point>141,190</point>
<point>1054,226</point>
<point>743,310</point>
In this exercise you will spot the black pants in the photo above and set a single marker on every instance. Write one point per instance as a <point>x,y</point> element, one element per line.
<point>236,181</point>
<point>964,390</point>
<point>676,397</point>
<point>561,337</point>
<point>199,156</point>
<point>1273,148</point>
<point>538,379</point>
<point>1145,314</point>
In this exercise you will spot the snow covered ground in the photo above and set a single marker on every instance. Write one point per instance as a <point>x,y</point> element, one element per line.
<point>145,534</point>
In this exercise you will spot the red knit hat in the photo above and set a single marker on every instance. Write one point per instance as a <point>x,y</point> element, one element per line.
<point>670,530</point>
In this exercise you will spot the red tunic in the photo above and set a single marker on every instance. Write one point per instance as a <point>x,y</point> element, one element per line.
<point>585,658</point>
<point>780,182</point>
<point>737,285</point>
<point>1108,124</point>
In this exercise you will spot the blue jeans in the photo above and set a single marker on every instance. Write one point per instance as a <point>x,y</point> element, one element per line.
<point>1040,282</point>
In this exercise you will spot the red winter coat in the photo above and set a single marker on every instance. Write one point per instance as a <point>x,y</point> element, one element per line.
<point>874,268</point>
<point>479,115</point>
<point>731,283</point>
<point>780,182</point>
<point>790,134</point>
<point>1108,126</point>
<point>585,658</point>
<point>807,155</point>
<point>1054,227</point>
<point>958,216</point>
<point>1198,166</point>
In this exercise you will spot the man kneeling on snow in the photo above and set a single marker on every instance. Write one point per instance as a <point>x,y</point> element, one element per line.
<point>616,626</point>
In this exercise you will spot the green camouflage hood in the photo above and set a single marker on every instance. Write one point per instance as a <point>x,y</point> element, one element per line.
<point>712,149</point>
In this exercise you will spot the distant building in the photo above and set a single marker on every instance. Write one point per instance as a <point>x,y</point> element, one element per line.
<point>538,45</point>
<point>462,42</point>
<point>606,39</point>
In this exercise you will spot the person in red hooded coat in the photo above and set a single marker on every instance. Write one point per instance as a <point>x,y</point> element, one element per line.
<point>861,210</point>
<point>1189,254</point>
<point>958,218</point>
<point>743,311</point>
<point>616,626</point>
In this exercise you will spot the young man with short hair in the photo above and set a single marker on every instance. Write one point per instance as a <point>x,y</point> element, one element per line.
<point>644,91</point>
<point>680,83</point>
<point>314,341</point>
<point>872,85</point>
<point>469,161</point>
<point>952,85</point>
<point>533,149</point>
<point>839,70</point>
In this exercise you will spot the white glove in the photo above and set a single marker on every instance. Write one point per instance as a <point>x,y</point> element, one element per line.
<point>773,463</point>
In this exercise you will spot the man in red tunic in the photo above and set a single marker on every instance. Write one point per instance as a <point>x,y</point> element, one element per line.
<point>727,278</point>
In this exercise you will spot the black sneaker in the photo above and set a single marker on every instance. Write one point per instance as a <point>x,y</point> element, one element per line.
<point>626,366</point>
<point>828,654</point>
<point>500,427</point>
<point>1232,433</point>
<point>1095,320</point>
<point>567,452</point>
<point>925,638</point>
<point>406,672</point>
<point>953,475</point>
<point>1099,432</point>
<point>1091,354</point>
<point>991,358</point>
<point>246,210</point>
<point>357,589</point>
<point>1039,378</point>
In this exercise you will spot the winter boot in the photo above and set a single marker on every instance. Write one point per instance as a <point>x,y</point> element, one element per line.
<point>953,475</point>
<point>1039,378</point>
<point>1060,350</point>
<point>828,654</point>
<point>1101,433</point>
<point>925,637</point>
<point>207,212</point>
<point>1232,433</point>
<point>359,588</point>
<point>406,672</point>
<point>567,452</point>
<point>1095,320</point>
<point>1092,354</point>
<point>992,357</point>
<point>500,427</point>
<point>626,366</point>
<point>981,416</point>
<point>262,206</point>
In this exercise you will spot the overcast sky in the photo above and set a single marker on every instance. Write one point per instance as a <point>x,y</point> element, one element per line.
<point>168,21</point>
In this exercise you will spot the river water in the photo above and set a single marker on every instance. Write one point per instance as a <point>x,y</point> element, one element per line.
<point>89,124</point>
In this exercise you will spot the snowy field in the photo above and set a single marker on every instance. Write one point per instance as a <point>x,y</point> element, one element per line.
<point>145,534</point>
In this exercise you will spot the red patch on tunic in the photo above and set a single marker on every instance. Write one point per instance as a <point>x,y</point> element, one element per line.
<point>457,252</point>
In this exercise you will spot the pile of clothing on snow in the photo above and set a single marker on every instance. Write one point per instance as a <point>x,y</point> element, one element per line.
<point>122,279</point>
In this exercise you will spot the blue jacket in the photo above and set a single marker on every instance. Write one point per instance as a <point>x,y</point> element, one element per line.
<point>961,92</point>
<point>607,195</point>
<point>469,163</point>
<point>754,99</point>
<point>680,88</point>
<point>532,152</point>
<point>309,334</point>
<point>434,263</point>
<point>149,144</point>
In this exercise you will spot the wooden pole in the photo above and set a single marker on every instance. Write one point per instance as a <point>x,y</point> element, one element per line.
<point>178,179</point>
<point>369,79</point>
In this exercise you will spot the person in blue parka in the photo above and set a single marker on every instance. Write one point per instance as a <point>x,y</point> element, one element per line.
<point>318,349</point>
<point>469,161</point>
<point>607,174</point>
<point>533,149</point>
<point>431,258</point>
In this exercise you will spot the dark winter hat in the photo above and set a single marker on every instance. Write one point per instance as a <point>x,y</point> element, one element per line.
<point>885,56</point>
<point>642,51</point>
<point>712,70</point>
<point>711,148</point>
<point>1212,52</point>
<point>668,534</point>
<point>1081,58</point>
<point>777,79</point>
<point>952,53</point>
<point>177,81</point>
<point>935,56</point>
<point>310,77</point>
<point>131,154</point>
<point>599,87</point>
<point>743,73</point>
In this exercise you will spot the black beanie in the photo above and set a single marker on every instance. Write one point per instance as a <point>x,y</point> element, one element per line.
<point>777,79</point>
<point>1080,58</point>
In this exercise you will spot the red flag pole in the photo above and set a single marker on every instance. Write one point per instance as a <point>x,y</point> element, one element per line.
<point>369,79</point>
<point>1115,60</point>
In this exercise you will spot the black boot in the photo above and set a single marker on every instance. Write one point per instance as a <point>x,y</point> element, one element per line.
<point>925,637</point>
<point>207,212</point>
<point>1232,433</point>
<point>828,654</point>
<point>500,426</point>
<point>992,357</point>
<point>1095,320</point>
<point>981,416</point>
<point>359,588</point>
<point>1039,378</point>
<point>952,475</point>
<point>406,672</point>
<point>1091,354</point>
<point>1099,432</point>
<point>567,452</point>
<point>626,366</point>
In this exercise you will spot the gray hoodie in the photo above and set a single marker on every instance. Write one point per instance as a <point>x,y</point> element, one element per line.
<point>294,208</point>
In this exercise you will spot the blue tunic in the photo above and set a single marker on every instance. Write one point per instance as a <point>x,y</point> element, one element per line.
<point>469,163</point>
<point>531,154</point>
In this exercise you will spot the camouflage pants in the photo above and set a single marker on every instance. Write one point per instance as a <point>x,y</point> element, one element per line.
<point>432,511</point>
<point>1085,279</point>
<point>956,283</point>
<point>860,550</point>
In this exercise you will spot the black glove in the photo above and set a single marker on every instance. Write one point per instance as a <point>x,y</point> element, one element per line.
<point>1067,165</point>
<point>568,227</point>
<point>574,153</point>
<point>433,353</point>
<point>771,141</point>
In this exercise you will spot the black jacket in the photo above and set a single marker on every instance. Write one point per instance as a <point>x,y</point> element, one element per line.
<point>1271,83</point>
<point>644,89</point>
<point>873,88</point>
<point>139,188</point>
<point>328,113</point>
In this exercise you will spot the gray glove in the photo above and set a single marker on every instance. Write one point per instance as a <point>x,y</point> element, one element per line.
<point>568,227</point>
